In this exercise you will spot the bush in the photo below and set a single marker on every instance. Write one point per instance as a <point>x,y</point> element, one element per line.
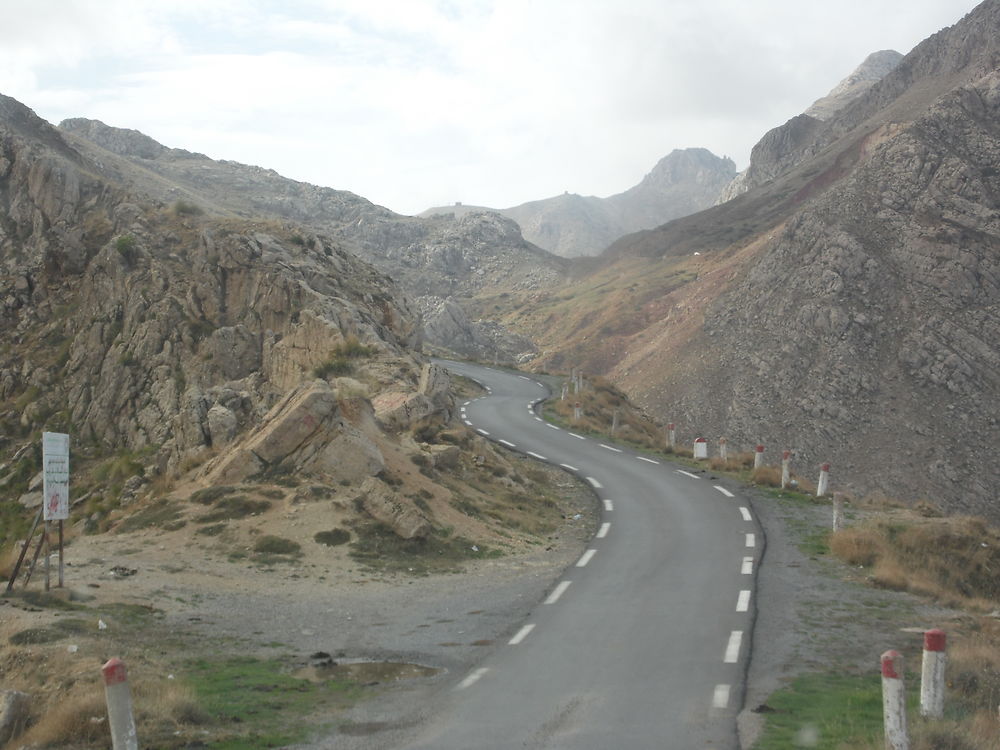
<point>276,545</point>
<point>335,366</point>
<point>333,537</point>
<point>186,208</point>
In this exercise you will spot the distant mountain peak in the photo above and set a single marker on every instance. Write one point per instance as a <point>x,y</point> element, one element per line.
<point>873,69</point>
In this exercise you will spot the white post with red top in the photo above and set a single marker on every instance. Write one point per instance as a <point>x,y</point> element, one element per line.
<point>932,675</point>
<point>577,412</point>
<point>786,468</point>
<point>724,449</point>
<point>824,480</point>
<point>700,448</point>
<point>894,702</point>
<point>120,720</point>
<point>671,436</point>
<point>758,456</point>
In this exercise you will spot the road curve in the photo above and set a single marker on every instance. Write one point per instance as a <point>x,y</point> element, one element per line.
<point>642,643</point>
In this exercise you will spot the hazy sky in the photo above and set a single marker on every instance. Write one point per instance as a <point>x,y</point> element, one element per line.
<point>416,103</point>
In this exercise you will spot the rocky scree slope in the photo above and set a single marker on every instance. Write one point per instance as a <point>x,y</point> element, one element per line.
<point>571,225</point>
<point>845,309</point>
<point>141,327</point>
<point>433,260</point>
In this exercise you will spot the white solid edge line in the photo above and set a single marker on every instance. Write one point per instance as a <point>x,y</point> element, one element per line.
<point>610,448</point>
<point>538,456</point>
<point>571,468</point>
<point>585,558</point>
<point>507,443</point>
<point>747,568</point>
<point>481,431</point>
<point>751,540</point>
<point>605,528</point>
<point>578,437</point>
<point>594,483</point>
<point>745,512</point>
<point>472,679</point>
<point>743,601</point>
<point>521,634</point>
<point>688,474</point>
<point>609,505</point>
<point>733,647</point>
<point>557,592</point>
<point>724,491</point>
<point>648,460</point>
<point>720,698</point>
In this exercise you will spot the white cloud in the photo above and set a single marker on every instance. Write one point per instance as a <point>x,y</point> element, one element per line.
<point>419,102</point>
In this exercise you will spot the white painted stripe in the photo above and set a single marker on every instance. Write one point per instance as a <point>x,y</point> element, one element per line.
<point>466,403</point>
<point>531,408</point>
<point>733,647</point>
<point>586,558</point>
<point>539,419</point>
<point>571,468</point>
<point>507,443</point>
<point>611,448</point>
<point>524,377</point>
<point>557,592</point>
<point>472,679</point>
<point>745,512</point>
<point>481,431</point>
<point>578,437</point>
<point>521,634</point>
<point>743,601</point>
<point>648,460</point>
<point>609,505</point>
<point>688,474</point>
<point>554,427</point>
<point>594,483</point>
<point>538,456</point>
<point>747,567</point>
<point>467,422</point>
<point>720,699</point>
<point>605,527</point>
<point>724,491</point>
<point>462,410</point>
<point>751,540</point>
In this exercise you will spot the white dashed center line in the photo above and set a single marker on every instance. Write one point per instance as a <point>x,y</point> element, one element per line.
<point>720,699</point>
<point>536,455</point>
<point>743,601</point>
<point>609,505</point>
<point>610,448</point>
<point>472,679</point>
<point>594,483</point>
<point>745,512</point>
<point>586,558</point>
<point>688,474</point>
<point>521,634</point>
<point>733,647</point>
<point>467,422</point>
<point>557,592</point>
<point>751,540</point>
<point>481,431</point>
<point>569,468</point>
<point>648,460</point>
<point>747,567</point>
<point>507,443</point>
<point>724,491</point>
<point>553,427</point>
<point>578,437</point>
<point>605,528</point>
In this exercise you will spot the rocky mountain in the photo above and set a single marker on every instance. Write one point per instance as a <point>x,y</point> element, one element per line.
<point>846,308</point>
<point>440,258</point>
<point>782,147</point>
<point>571,225</point>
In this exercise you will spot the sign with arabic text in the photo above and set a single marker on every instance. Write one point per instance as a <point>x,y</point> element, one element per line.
<point>55,476</point>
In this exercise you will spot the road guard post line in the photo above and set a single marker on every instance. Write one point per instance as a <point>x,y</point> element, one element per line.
<point>932,675</point>
<point>894,702</point>
<point>120,719</point>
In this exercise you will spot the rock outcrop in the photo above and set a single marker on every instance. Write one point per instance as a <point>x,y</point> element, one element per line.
<point>395,511</point>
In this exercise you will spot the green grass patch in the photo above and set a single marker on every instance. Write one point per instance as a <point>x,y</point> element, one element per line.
<point>377,547</point>
<point>209,495</point>
<point>257,704</point>
<point>162,514</point>
<point>826,711</point>
<point>231,508</point>
<point>333,537</point>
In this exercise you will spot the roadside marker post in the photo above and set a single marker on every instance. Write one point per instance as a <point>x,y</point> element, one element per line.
<point>824,480</point>
<point>838,513</point>
<point>700,448</point>
<point>119,699</point>
<point>724,450</point>
<point>786,468</point>
<point>894,702</point>
<point>671,436</point>
<point>932,675</point>
<point>758,457</point>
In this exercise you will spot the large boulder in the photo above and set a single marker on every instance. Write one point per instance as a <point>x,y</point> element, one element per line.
<point>397,512</point>
<point>14,711</point>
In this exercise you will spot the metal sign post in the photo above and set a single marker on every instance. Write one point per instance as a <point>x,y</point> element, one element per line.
<point>55,491</point>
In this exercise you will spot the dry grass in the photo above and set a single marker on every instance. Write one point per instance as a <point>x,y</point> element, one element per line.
<point>79,716</point>
<point>766,476</point>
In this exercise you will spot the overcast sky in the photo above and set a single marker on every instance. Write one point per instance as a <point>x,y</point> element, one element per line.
<point>418,103</point>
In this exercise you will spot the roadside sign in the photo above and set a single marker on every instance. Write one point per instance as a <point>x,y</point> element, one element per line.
<point>55,473</point>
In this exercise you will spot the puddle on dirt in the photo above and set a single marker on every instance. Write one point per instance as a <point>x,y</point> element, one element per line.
<point>365,672</point>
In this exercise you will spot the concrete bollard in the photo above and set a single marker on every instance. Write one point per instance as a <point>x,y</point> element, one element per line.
<point>671,436</point>
<point>724,449</point>
<point>565,389</point>
<point>614,422</point>
<point>786,468</point>
<point>758,456</point>
<point>894,702</point>
<point>577,412</point>
<point>838,514</point>
<point>932,675</point>
<point>700,448</point>
<point>824,480</point>
<point>120,720</point>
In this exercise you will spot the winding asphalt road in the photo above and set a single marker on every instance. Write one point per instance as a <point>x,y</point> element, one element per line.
<point>644,642</point>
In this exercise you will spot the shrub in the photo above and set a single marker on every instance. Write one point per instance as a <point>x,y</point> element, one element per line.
<point>276,545</point>
<point>335,366</point>
<point>333,537</point>
<point>186,208</point>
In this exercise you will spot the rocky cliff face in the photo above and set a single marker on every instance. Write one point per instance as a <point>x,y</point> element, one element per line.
<point>873,69</point>
<point>570,225</point>
<point>159,329</point>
